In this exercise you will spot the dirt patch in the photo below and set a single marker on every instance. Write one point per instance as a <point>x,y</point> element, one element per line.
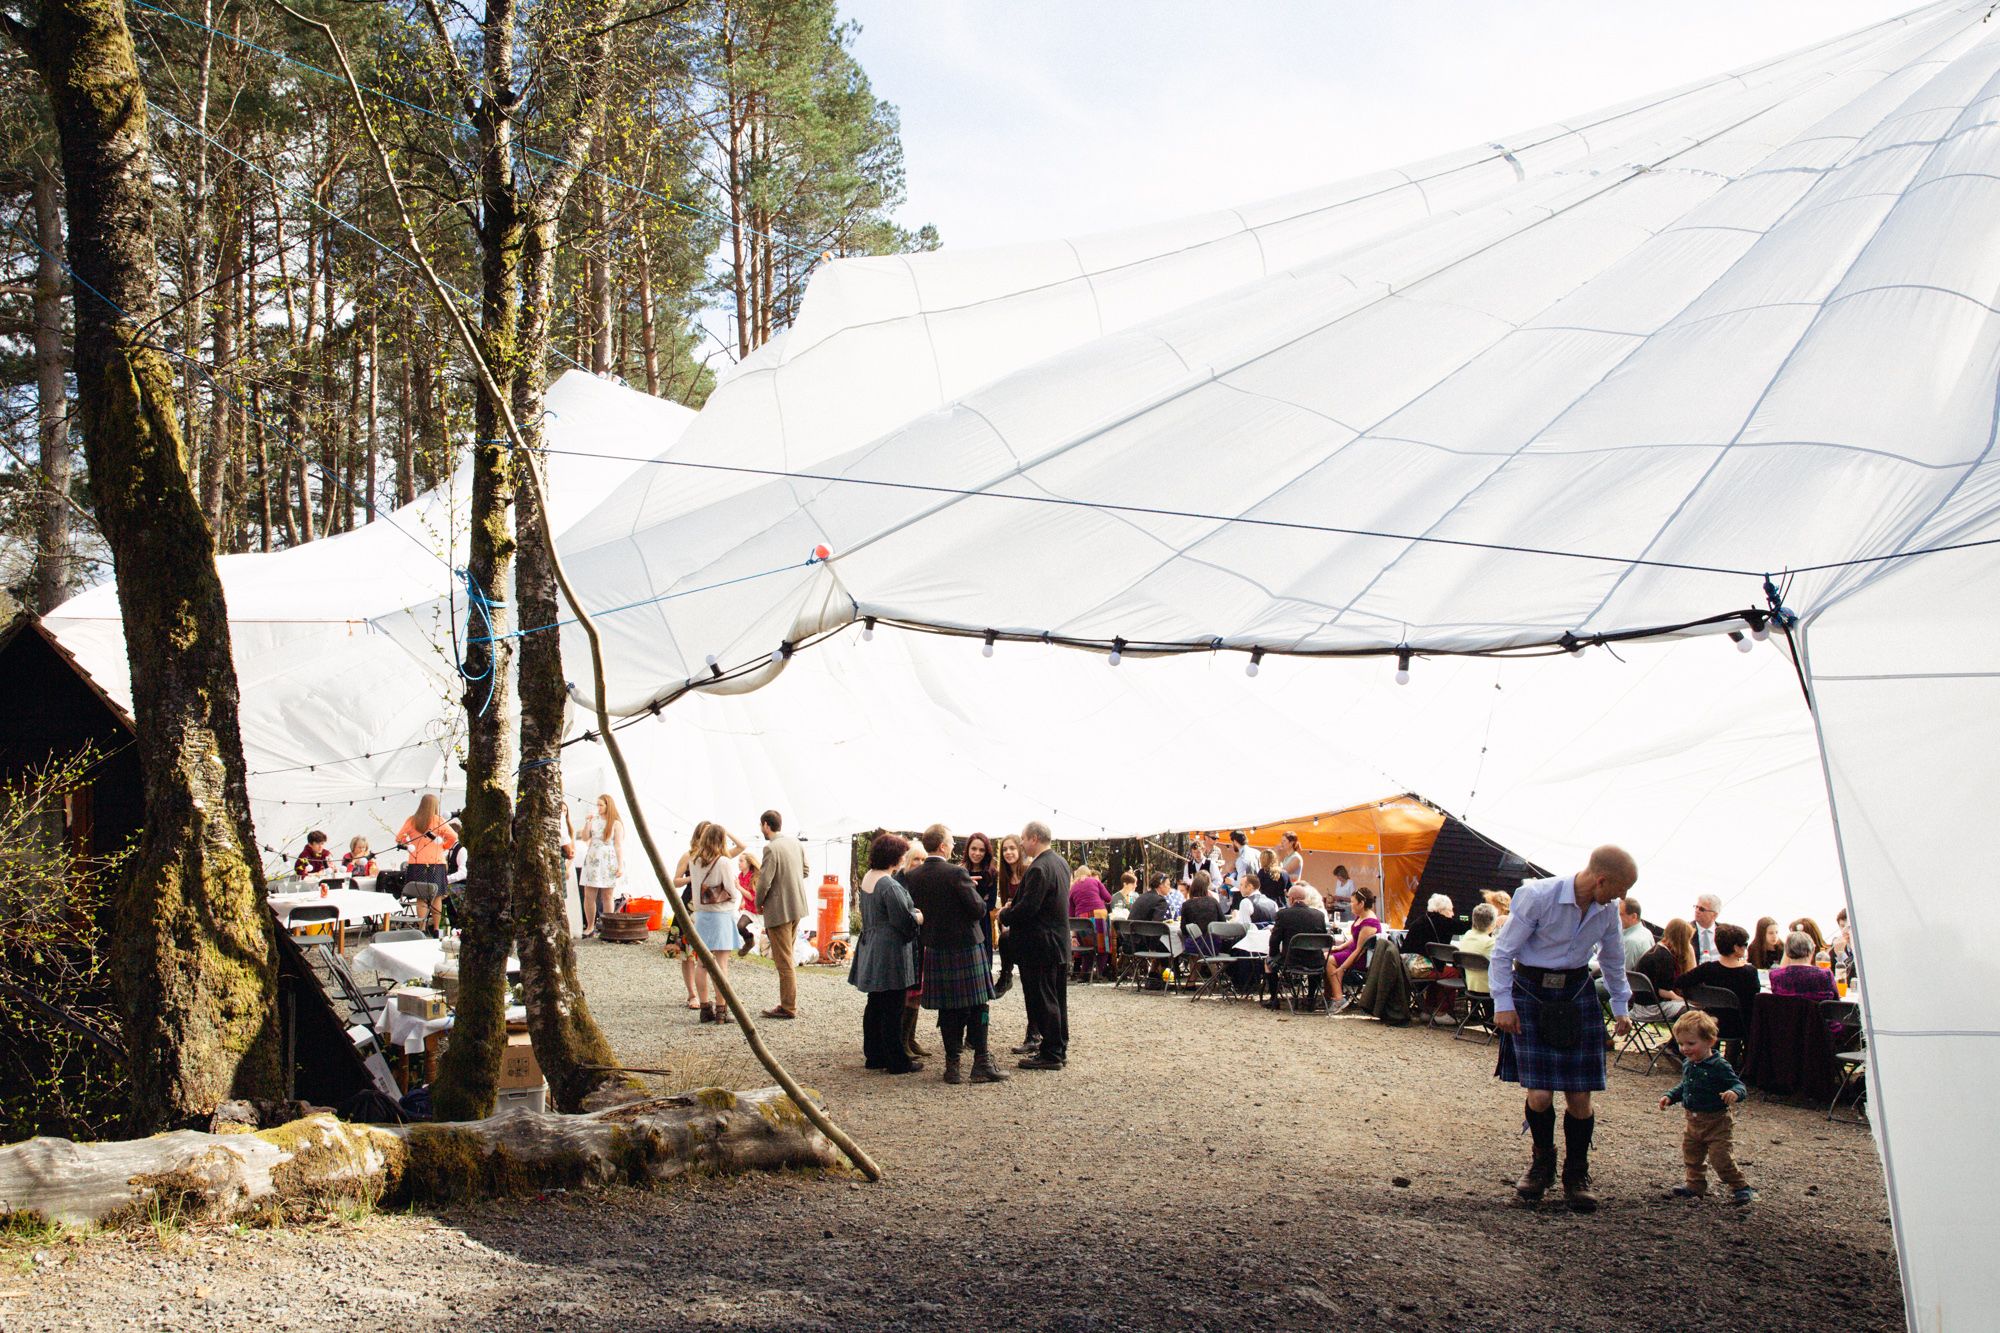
<point>1203,1165</point>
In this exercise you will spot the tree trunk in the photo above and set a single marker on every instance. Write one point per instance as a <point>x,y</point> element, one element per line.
<point>52,399</point>
<point>600,285</point>
<point>649,340</point>
<point>566,1037</point>
<point>309,1164</point>
<point>193,952</point>
<point>215,464</point>
<point>374,406</point>
<point>406,461</point>
<point>468,1074</point>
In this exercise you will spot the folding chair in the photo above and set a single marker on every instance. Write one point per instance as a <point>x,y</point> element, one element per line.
<point>1728,1013</point>
<point>1850,1052</point>
<point>1082,947</point>
<point>1124,966</point>
<point>1649,1036</point>
<point>1443,956</point>
<point>1214,967</point>
<point>318,919</point>
<point>1478,1002</point>
<point>1302,969</point>
<point>1150,949</point>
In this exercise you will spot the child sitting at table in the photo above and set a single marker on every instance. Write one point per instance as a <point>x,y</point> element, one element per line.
<point>1708,1089</point>
<point>315,858</point>
<point>359,859</point>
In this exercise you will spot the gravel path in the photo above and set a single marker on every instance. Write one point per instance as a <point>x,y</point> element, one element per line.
<point>1200,1165</point>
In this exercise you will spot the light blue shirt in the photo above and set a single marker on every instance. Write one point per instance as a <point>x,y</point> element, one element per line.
<point>1548,929</point>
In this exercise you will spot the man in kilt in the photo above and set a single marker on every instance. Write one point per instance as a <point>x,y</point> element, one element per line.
<point>1550,1019</point>
<point>958,978</point>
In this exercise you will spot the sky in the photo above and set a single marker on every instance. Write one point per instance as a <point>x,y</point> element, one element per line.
<point>1025,119</point>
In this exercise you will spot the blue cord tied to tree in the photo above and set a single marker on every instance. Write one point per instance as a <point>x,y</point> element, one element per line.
<point>478,604</point>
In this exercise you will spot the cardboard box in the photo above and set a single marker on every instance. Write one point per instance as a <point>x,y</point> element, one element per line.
<point>421,1002</point>
<point>531,1099</point>
<point>518,1068</point>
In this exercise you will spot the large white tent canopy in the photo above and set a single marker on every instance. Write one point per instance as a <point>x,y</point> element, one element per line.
<point>1585,383</point>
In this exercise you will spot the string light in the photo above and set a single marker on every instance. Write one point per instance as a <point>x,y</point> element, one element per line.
<point>1403,665</point>
<point>1743,645</point>
<point>1760,626</point>
<point>783,653</point>
<point>1117,651</point>
<point>714,669</point>
<point>1256,657</point>
<point>987,651</point>
<point>867,629</point>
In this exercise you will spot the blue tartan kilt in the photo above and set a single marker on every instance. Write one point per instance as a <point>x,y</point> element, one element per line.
<point>1531,1062</point>
<point>958,978</point>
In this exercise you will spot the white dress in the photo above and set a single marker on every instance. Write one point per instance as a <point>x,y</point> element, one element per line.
<point>599,866</point>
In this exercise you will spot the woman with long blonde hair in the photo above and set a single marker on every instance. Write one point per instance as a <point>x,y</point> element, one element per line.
<point>717,900</point>
<point>603,862</point>
<point>426,836</point>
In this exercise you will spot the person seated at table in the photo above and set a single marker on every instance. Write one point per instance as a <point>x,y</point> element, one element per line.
<point>1121,901</point>
<point>1478,940</point>
<point>1436,926</point>
<point>1767,947</point>
<point>1663,965</point>
<point>1176,897</point>
<point>1731,971</point>
<point>1152,904</point>
<point>1272,882</point>
<point>1296,917</point>
<point>359,859</point>
<point>1797,975</point>
<point>1202,908</point>
<point>1365,928</point>
<point>315,859</point>
<point>1841,947</point>
<point>1257,906</point>
<point>1502,903</point>
<point>1811,928</point>
<point>1087,894</point>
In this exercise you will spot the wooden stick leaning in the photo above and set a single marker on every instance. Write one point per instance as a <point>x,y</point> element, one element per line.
<point>806,1103</point>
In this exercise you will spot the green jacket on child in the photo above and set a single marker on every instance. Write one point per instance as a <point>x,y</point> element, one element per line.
<point>1704,1081</point>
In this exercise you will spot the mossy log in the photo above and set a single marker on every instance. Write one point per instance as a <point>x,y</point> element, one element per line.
<point>320,1162</point>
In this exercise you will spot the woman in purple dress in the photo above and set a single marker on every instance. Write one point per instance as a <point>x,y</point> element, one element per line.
<point>1797,975</point>
<point>1365,928</point>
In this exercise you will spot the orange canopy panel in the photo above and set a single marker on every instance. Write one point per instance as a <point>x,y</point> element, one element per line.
<point>1395,833</point>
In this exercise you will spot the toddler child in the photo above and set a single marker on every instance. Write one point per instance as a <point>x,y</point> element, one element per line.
<point>1708,1089</point>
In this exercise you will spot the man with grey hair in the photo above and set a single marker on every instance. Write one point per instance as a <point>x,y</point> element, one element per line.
<point>1037,922</point>
<point>1706,909</point>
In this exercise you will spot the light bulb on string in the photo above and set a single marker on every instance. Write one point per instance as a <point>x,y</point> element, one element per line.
<point>1743,645</point>
<point>1402,666</point>
<point>987,650</point>
<point>714,667</point>
<point>1760,626</point>
<point>867,629</point>
<point>1117,651</point>
<point>1256,657</point>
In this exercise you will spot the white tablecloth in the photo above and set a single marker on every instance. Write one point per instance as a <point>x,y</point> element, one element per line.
<point>408,1032</point>
<point>357,907</point>
<point>1256,943</point>
<point>411,960</point>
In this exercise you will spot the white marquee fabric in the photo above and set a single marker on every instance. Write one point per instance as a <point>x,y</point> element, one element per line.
<point>1748,327</point>
<point>1754,335</point>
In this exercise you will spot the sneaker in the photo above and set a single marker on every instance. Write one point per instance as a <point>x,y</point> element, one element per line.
<point>1743,1196</point>
<point>1689,1192</point>
<point>1339,1005</point>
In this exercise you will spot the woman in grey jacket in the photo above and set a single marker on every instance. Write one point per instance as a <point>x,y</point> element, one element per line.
<point>885,964</point>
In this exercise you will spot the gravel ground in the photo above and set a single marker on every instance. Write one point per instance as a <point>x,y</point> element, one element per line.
<point>1202,1165</point>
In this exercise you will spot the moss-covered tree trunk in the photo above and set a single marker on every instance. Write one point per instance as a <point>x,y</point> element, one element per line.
<point>567,1040</point>
<point>52,402</point>
<point>193,949</point>
<point>469,1073</point>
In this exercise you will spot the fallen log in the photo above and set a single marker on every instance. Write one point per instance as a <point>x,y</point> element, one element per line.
<point>320,1161</point>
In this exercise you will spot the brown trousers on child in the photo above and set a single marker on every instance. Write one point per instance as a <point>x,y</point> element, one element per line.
<point>1710,1141</point>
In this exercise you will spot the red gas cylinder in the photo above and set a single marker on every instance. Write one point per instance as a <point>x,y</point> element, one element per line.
<point>832,916</point>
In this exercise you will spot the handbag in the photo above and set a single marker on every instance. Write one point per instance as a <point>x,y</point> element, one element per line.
<point>715,885</point>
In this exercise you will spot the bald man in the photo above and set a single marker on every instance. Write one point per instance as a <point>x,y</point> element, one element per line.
<point>1546,1007</point>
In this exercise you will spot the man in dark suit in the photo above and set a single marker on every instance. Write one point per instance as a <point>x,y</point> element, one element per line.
<point>958,979</point>
<point>1294,918</point>
<point>1152,904</point>
<point>1037,921</point>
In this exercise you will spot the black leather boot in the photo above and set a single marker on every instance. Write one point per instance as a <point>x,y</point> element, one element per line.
<point>1541,1171</point>
<point>1576,1164</point>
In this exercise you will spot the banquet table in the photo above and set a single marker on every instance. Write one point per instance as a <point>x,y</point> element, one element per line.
<point>412,960</point>
<point>357,907</point>
<point>1256,943</point>
<point>1789,1052</point>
